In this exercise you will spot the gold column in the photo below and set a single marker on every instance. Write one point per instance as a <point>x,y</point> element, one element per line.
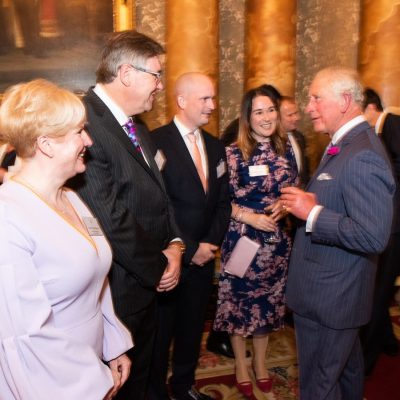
<point>270,48</point>
<point>124,15</point>
<point>192,46</point>
<point>379,48</point>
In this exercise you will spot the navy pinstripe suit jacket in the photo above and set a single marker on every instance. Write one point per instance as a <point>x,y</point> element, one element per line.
<point>332,270</point>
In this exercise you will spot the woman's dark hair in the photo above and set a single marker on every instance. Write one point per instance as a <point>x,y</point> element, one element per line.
<point>245,141</point>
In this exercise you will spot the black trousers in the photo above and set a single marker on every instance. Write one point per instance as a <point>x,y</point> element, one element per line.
<point>143,328</point>
<point>379,331</point>
<point>181,316</point>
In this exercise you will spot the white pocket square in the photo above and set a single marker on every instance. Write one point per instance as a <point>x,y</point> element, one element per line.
<point>324,177</point>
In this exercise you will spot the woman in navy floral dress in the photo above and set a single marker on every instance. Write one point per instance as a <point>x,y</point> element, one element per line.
<point>260,163</point>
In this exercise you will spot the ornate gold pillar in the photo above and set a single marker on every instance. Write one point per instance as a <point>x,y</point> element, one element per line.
<point>270,47</point>
<point>192,46</point>
<point>379,48</point>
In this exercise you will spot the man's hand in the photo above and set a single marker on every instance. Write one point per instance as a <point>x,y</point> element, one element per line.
<point>170,277</point>
<point>204,253</point>
<point>120,369</point>
<point>298,202</point>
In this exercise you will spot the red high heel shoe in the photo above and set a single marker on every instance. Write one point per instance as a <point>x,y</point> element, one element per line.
<point>265,384</point>
<point>246,388</point>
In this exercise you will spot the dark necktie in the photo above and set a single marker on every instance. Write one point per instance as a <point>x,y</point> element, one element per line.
<point>131,128</point>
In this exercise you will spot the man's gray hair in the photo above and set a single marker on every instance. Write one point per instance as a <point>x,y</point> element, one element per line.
<point>344,80</point>
<point>127,47</point>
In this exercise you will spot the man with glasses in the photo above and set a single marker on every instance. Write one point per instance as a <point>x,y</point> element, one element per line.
<point>124,188</point>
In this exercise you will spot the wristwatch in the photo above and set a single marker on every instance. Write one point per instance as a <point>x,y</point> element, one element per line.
<point>179,244</point>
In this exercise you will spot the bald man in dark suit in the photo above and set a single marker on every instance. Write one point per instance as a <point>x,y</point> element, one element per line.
<point>195,175</point>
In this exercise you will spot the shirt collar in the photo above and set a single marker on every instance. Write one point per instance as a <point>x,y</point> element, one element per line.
<point>378,123</point>
<point>338,136</point>
<point>184,130</point>
<point>115,109</point>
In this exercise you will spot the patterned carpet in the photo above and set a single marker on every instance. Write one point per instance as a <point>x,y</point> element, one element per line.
<point>215,374</point>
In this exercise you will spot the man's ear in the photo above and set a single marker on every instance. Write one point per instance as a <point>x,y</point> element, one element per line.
<point>124,74</point>
<point>345,102</point>
<point>181,101</point>
<point>44,145</point>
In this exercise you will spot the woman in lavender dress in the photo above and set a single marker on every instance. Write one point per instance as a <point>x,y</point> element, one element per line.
<point>260,163</point>
<point>59,336</point>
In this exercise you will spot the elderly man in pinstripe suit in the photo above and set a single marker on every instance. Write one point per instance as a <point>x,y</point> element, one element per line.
<point>347,213</point>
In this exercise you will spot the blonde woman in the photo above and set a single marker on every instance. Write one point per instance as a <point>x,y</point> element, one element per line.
<point>59,336</point>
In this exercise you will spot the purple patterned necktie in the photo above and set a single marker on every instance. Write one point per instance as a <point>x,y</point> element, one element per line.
<point>131,128</point>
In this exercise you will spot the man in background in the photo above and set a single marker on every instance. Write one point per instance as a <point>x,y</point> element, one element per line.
<point>124,188</point>
<point>347,214</point>
<point>378,335</point>
<point>290,117</point>
<point>196,178</point>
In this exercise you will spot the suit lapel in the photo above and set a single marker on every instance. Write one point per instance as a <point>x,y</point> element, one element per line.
<point>348,137</point>
<point>116,130</point>
<point>212,163</point>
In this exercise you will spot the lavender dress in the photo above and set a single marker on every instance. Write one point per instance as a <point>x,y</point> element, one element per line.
<point>256,302</point>
<point>57,321</point>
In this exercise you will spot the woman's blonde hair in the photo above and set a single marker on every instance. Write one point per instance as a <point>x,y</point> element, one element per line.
<point>37,108</point>
<point>245,140</point>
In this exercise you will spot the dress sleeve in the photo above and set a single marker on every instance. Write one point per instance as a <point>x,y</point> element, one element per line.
<point>37,360</point>
<point>117,339</point>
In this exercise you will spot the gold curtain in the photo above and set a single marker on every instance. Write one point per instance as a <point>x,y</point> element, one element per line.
<point>124,15</point>
<point>270,47</point>
<point>192,45</point>
<point>379,48</point>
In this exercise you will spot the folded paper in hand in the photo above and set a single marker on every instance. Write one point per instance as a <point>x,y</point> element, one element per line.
<point>241,257</point>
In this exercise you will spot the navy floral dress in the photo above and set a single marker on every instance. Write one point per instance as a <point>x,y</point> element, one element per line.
<point>256,302</point>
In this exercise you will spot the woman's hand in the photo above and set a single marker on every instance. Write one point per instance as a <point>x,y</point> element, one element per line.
<point>261,222</point>
<point>276,210</point>
<point>120,368</point>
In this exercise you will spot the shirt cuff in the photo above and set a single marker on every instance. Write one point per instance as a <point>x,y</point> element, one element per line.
<point>312,217</point>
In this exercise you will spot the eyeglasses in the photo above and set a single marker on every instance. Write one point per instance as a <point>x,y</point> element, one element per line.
<point>157,75</point>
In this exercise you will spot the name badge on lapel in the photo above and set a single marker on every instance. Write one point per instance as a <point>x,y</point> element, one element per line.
<point>160,160</point>
<point>92,226</point>
<point>221,168</point>
<point>258,170</point>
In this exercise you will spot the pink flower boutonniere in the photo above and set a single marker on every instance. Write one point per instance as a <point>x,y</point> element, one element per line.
<point>333,150</point>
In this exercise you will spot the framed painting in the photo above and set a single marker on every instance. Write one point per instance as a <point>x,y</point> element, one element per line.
<point>59,40</point>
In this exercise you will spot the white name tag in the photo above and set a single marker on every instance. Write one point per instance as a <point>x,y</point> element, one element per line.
<point>258,170</point>
<point>92,226</point>
<point>160,160</point>
<point>221,168</point>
